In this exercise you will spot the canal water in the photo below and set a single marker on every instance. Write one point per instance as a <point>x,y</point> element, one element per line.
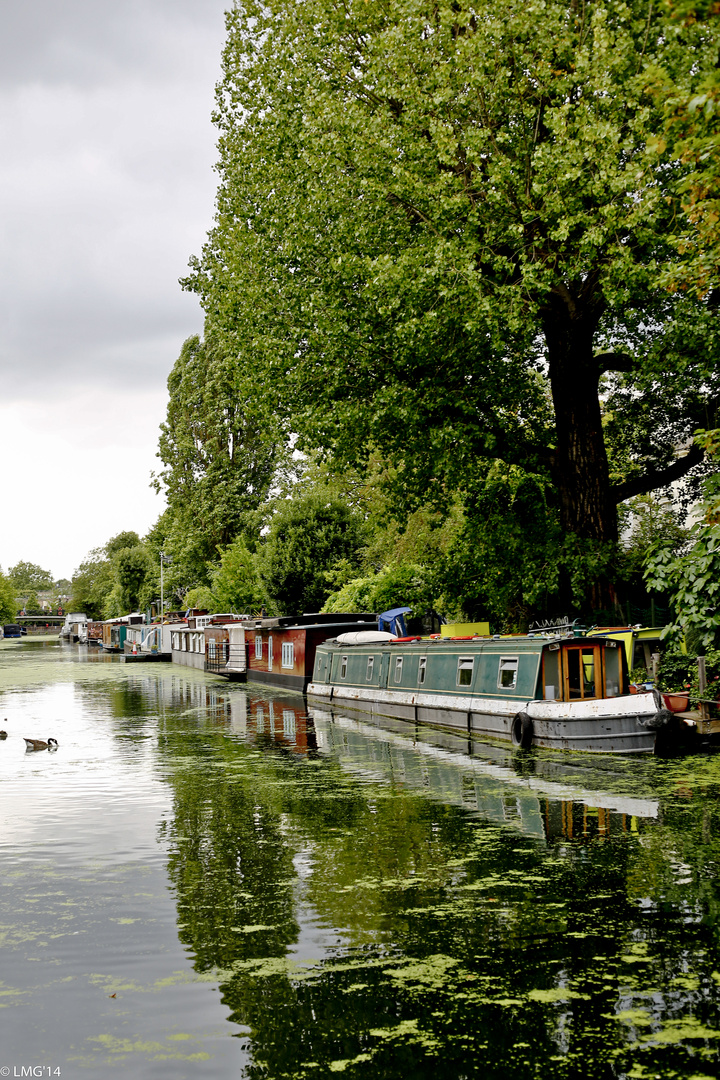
<point>215,880</point>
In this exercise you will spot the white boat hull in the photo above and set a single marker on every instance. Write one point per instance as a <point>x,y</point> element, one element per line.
<point>619,725</point>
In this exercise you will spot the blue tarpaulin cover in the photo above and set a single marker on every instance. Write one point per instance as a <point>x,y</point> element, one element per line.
<point>393,621</point>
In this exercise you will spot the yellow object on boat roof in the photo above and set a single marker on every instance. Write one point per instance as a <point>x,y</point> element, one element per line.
<point>629,635</point>
<point>465,629</point>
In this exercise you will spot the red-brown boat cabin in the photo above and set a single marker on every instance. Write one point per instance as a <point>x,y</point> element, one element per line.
<point>282,651</point>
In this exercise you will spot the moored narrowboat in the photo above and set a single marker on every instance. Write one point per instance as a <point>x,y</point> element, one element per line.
<point>281,651</point>
<point>558,691</point>
<point>75,627</point>
<point>115,631</point>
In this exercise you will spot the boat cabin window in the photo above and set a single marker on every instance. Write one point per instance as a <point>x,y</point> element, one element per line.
<point>507,672</point>
<point>398,668</point>
<point>613,671</point>
<point>258,648</point>
<point>370,666</point>
<point>288,654</point>
<point>465,670</point>
<point>343,667</point>
<point>422,668</point>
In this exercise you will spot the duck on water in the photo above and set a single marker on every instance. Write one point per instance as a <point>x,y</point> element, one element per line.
<point>41,744</point>
<point>563,691</point>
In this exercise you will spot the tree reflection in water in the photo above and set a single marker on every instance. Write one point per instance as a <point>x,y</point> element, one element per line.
<point>384,906</point>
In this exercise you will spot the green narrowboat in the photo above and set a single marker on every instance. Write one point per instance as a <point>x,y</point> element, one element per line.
<point>561,691</point>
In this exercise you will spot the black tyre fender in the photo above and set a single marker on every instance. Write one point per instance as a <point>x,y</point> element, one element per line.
<point>522,731</point>
<point>662,719</point>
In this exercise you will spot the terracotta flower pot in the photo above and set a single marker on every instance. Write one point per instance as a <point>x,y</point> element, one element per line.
<point>679,702</point>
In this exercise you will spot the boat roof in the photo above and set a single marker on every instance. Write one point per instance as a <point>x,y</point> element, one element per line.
<point>502,640</point>
<point>327,621</point>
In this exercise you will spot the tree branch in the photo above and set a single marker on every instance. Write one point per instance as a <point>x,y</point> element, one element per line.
<point>658,478</point>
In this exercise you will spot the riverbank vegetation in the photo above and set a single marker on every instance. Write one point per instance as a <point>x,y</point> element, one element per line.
<point>28,589</point>
<point>461,319</point>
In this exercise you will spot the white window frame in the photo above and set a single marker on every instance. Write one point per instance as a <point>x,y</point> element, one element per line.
<point>288,654</point>
<point>422,670</point>
<point>507,663</point>
<point>343,667</point>
<point>258,647</point>
<point>465,663</point>
<point>397,673</point>
<point>370,667</point>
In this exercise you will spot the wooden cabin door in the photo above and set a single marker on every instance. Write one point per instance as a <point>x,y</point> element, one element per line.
<point>583,677</point>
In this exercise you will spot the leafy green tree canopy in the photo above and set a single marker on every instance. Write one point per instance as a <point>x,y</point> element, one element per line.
<point>237,585</point>
<point>309,535</point>
<point>690,573</point>
<point>8,604</point>
<point>27,577</point>
<point>396,584</point>
<point>92,583</point>
<point>119,543</point>
<point>653,524</point>
<point>114,579</point>
<point>691,132</point>
<point>219,455</point>
<point>131,568</point>
<point>447,230</point>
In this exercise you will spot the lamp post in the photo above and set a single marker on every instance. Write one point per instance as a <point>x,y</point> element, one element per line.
<point>164,559</point>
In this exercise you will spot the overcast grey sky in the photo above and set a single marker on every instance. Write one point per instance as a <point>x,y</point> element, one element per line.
<point>108,187</point>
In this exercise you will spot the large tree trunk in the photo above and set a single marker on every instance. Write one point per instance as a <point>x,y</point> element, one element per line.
<point>581,466</point>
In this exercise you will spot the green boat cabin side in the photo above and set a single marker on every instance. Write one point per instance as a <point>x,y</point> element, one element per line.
<point>522,667</point>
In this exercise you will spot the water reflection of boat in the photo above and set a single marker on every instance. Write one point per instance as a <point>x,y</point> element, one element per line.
<point>272,717</point>
<point>477,776</point>
<point>276,718</point>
